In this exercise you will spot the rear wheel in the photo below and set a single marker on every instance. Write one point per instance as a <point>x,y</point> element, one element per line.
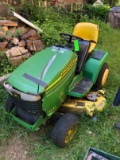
<point>64,129</point>
<point>9,105</point>
<point>102,77</point>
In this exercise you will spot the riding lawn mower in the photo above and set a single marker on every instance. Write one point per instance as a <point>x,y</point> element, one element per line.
<point>60,79</point>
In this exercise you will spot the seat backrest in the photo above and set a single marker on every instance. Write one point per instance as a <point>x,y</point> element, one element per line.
<point>82,55</point>
<point>87,31</point>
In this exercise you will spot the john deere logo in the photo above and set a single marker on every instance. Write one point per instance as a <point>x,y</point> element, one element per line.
<point>68,68</point>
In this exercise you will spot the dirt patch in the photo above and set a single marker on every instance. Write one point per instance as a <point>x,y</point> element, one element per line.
<point>16,149</point>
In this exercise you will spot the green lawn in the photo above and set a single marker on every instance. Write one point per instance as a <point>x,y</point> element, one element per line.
<point>100,134</point>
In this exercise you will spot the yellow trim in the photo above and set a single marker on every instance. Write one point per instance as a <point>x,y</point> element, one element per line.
<point>71,132</point>
<point>65,71</point>
<point>54,83</point>
<point>89,107</point>
<point>105,76</point>
<point>51,110</point>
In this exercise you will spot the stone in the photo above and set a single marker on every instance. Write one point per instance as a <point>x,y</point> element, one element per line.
<point>36,45</point>
<point>12,31</point>
<point>29,45</point>
<point>8,37</point>
<point>8,23</point>
<point>15,41</point>
<point>39,45</point>
<point>30,33</point>
<point>3,45</point>
<point>15,51</point>
<point>22,50</point>
<point>19,59</point>
<point>35,37</point>
<point>23,30</point>
<point>4,29</point>
<point>22,43</point>
<point>2,34</point>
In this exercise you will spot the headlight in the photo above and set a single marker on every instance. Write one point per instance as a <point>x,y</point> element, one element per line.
<point>19,94</point>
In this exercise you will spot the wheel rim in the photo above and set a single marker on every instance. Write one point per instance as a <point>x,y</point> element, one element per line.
<point>105,76</point>
<point>71,132</point>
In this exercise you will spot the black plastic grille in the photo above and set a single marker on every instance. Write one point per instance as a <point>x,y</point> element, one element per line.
<point>28,110</point>
<point>34,107</point>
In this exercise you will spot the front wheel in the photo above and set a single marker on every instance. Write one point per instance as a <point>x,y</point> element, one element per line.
<point>102,77</point>
<point>64,129</point>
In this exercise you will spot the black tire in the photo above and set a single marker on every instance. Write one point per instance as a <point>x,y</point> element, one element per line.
<point>102,77</point>
<point>9,105</point>
<point>66,124</point>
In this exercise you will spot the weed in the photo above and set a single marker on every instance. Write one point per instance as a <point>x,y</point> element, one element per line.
<point>6,67</point>
<point>100,12</point>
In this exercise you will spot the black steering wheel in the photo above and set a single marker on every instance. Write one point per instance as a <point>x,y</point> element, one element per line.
<point>69,37</point>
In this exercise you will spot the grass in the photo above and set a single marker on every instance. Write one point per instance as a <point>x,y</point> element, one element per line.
<point>100,134</point>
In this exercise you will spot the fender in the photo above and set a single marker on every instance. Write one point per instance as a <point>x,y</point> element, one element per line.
<point>94,64</point>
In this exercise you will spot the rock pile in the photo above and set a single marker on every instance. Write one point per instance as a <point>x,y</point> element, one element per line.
<point>18,41</point>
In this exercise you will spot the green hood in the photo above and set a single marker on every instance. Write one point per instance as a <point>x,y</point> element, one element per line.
<point>44,67</point>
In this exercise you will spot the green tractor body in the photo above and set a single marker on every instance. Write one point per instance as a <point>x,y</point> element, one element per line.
<point>40,85</point>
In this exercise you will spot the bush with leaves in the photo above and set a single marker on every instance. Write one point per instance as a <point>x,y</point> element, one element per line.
<point>56,23</point>
<point>112,2</point>
<point>109,2</point>
<point>5,67</point>
<point>51,20</point>
<point>100,12</point>
<point>32,11</point>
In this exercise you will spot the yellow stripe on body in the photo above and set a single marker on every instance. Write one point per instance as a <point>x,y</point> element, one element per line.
<point>65,71</point>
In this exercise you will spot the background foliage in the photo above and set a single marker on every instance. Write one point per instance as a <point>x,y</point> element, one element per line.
<point>100,12</point>
<point>110,2</point>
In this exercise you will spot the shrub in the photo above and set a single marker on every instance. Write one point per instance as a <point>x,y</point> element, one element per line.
<point>109,2</point>
<point>100,12</point>
<point>51,20</point>
<point>5,67</point>
<point>56,23</point>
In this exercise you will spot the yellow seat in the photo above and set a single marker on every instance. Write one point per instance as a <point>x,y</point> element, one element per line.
<point>87,31</point>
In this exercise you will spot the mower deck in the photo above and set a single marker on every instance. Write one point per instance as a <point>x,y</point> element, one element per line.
<point>85,105</point>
